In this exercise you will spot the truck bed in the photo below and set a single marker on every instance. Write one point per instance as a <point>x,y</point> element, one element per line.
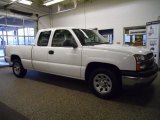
<point>23,51</point>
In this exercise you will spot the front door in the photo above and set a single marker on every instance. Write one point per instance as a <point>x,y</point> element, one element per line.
<point>63,59</point>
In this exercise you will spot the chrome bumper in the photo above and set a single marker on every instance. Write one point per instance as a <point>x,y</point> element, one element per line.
<point>139,80</point>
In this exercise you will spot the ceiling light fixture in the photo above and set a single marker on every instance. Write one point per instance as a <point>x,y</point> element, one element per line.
<point>51,2</point>
<point>26,2</point>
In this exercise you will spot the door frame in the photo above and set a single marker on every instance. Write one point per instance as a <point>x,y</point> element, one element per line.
<point>2,47</point>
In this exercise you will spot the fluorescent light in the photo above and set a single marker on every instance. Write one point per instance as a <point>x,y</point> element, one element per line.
<point>26,2</point>
<point>51,2</point>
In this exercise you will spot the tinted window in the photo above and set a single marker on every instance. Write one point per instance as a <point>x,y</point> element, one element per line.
<point>80,36</point>
<point>44,38</point>
<point>89,37</point>
<point>63,38</point>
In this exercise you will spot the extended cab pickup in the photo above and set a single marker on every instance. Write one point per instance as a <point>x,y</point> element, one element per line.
<point>83,54</point>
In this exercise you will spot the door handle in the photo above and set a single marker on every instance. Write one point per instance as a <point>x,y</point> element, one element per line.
<point>51,52</point>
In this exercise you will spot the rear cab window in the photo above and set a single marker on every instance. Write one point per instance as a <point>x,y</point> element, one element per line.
<point>43,38</point>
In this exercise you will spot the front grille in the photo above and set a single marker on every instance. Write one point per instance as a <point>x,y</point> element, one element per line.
<point>149,56</point>
<point>149,60</point>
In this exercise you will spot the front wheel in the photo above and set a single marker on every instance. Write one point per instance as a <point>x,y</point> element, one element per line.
<point>104,83</point>
<point>18,69</point>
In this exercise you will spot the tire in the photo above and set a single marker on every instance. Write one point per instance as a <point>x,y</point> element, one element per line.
<point>104,83</point>
<point>18,69</point>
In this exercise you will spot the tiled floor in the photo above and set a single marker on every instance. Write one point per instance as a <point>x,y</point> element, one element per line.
<point>41,96</point>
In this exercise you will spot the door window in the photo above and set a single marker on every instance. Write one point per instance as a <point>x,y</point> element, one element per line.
<point>63,38</point>
<point>44,38</point>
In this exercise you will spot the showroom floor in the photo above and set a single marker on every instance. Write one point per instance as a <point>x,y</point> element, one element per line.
<point>41,96</point>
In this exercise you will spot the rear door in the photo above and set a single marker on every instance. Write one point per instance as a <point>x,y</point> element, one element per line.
<point>40,51</point>
<point>63,59</point>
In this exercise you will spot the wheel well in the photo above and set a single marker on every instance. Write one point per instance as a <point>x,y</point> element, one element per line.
<point>15,57</point>
<point>91,66</point>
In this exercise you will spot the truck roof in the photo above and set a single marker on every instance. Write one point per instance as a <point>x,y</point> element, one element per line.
<point>61,28</point>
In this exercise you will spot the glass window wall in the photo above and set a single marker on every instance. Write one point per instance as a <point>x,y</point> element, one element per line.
<point>2,20</point>
<point>14,21</point>
<point>17,31</point>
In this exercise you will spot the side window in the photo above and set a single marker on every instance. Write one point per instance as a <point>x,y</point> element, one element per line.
<point>80,36</point>
<point>44,38</point>
<point>63,38</point>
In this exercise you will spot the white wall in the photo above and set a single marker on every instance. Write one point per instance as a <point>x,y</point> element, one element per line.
<point>106,14</point>
<point>44,22</point>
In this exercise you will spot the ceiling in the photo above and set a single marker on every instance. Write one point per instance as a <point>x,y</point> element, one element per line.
<point>37,6</point>
<point>35,2</point>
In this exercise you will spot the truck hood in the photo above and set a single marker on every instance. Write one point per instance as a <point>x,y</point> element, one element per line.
<point>121,48</point>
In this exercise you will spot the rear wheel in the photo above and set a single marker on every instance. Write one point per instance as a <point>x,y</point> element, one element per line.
<point>104,83</point>
<point>18,69</point>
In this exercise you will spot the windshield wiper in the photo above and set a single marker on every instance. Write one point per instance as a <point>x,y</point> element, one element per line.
<point>105,43</point>
<point>92,43</point>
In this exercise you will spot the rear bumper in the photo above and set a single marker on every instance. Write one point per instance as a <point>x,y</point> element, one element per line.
<point>146,76</point>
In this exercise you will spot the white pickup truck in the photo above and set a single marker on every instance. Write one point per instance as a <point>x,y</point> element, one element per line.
<point>83,54</point>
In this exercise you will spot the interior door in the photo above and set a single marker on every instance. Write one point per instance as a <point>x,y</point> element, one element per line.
<point>63,59</point>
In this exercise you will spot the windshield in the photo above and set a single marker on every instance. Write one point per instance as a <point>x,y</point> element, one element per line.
<point>89,37</point>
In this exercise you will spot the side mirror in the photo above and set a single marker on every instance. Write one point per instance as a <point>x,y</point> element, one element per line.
<point>74,45</point>
<point>70,43</point>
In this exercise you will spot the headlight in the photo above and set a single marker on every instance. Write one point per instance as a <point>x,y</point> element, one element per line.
<point>139,62</point>
<point>139,58</point>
